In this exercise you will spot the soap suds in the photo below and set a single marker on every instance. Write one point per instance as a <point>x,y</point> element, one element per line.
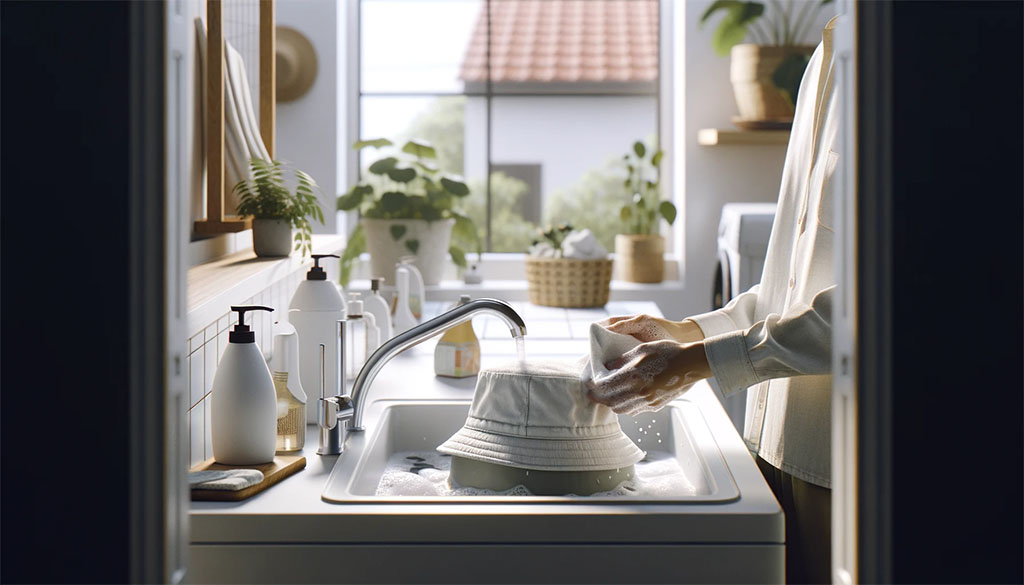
<point>425,473</point>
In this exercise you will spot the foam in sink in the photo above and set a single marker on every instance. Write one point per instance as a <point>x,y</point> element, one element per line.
<point>425,473</point>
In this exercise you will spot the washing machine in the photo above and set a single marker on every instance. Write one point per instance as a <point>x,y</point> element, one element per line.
<point>743,234</point>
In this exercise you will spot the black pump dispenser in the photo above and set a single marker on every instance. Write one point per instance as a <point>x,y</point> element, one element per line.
<point>316,272</point>
<point>242,333</point>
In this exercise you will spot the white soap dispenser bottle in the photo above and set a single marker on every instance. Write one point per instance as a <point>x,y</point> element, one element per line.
<point>244,403</point>
<point>404,319</point>
<point>315,308</point>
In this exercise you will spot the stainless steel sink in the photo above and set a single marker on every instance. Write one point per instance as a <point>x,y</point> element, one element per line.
<point>423,425</point>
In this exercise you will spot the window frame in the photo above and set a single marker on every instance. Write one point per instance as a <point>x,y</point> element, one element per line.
<point>662,90</point>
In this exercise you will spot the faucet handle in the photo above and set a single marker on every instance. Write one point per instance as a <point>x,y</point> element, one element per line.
<point>332,409</point>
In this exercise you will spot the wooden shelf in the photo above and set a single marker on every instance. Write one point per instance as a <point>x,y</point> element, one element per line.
<point>719,137</point>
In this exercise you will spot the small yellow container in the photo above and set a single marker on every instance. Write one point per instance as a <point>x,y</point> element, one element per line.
<point>457,354</point>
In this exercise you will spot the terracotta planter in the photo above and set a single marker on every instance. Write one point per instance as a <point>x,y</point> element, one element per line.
<point>751,69</point>
<point>385,249</point>
<point>640,258</point>
<point>272,237</point>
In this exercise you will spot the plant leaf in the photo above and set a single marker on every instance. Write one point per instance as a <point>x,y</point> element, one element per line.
<point>788,74</point>
<point>376,143</point>
<point>356,245</point>
<point>716,6</point>
<point>668,211</point>
<point>733,28</point>
<point>401,175</point>
<point>458,256</point>
<point>412,245</point>
<point>455,186</point>
<point>639,148</point>
<point>427,166</point>
<point>625,212</point>
<point>393,201</point>
<point>397,231</point>
<point>353,198</point>
<point>383,165</point>
<point>420,148</point>
<point>656,159</point>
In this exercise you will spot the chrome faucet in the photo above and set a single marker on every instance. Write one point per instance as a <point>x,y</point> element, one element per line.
<point>340,414</point>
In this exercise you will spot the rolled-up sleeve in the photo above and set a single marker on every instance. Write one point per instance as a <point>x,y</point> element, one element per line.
<point>737,314</point>
<point>795,343</point>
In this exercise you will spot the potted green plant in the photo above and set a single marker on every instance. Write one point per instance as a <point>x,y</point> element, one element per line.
<point>408,207</point>
<point>640,250</point>
<point>765,73</point>
<point>276,210</point>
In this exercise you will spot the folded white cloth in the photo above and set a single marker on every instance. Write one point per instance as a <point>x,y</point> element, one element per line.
<point>537,415</point>
<point>605,346</point>
<point>543,250</point>
<point>228,480</point>
<point>582,245</point>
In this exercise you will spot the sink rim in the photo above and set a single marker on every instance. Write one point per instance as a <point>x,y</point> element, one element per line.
<point>715,468</point>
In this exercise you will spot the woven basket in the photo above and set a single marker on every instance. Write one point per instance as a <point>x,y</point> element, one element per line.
<point>567,282</point>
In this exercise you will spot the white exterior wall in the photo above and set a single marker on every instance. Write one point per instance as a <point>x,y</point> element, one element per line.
<point>568,136</point>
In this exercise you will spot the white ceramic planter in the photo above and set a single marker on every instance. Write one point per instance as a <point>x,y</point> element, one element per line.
<point>385,249</point>
<point>272,237</point>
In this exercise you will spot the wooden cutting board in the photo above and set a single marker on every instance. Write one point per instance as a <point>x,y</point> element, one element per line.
<point>282,467</point>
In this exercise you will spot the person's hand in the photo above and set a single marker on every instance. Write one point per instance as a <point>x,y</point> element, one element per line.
<point>649,376</point>
<point>647,328</point>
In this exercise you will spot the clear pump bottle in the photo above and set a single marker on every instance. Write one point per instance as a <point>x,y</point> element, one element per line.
<point>291,397</point>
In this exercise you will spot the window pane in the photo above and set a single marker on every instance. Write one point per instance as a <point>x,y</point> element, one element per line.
<point>415,45</point>
<point>440,120</point>
<point>559,159</point>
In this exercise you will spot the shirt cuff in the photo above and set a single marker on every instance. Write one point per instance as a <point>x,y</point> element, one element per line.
<point>730,363</point>
<point>713,323</point>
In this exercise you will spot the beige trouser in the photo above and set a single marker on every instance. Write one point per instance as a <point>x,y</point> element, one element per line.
<point>808,509</point>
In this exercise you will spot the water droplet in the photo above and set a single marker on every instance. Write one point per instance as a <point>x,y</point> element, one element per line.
<point>659,434</point>
<point>639,440</point>
<point>654,420</point>
<point>659,440</point>
<point>527,472</point>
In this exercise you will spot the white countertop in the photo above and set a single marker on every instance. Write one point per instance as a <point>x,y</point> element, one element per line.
<point>293,511</point>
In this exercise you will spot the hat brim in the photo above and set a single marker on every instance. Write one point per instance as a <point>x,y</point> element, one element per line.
<point>591,454</point>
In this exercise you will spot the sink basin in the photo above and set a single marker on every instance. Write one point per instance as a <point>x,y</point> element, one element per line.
<point>677,431</point>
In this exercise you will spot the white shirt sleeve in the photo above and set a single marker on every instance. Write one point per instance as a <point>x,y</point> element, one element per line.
<point>780,346</point>
<point>737,314</point>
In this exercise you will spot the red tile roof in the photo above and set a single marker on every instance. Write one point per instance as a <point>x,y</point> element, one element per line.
<point>565,41</point>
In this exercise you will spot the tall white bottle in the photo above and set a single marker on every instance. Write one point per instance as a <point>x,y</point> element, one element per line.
<point>243,418</point>
<point>375,305</point>
<point>404,319</point>
<point>417,290</point>
<point>315,309</point>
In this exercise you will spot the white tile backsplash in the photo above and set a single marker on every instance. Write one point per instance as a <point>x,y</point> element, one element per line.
<point>196,381</point>
<point>197,433</point>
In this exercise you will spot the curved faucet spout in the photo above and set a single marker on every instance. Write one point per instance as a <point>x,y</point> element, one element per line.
<point>420,333</point>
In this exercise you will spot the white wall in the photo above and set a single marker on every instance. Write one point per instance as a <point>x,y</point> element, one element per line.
<point>709,177</point>
<point>308,128</point>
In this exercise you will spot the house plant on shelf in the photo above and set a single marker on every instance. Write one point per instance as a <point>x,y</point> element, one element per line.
<point>568,268</point>
<point>765,73</point>
<point>408,207</point>
<point>640,251</point>
<point>276,210</point>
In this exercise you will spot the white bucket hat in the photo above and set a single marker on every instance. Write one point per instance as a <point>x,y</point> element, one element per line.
<point>537,416</point>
